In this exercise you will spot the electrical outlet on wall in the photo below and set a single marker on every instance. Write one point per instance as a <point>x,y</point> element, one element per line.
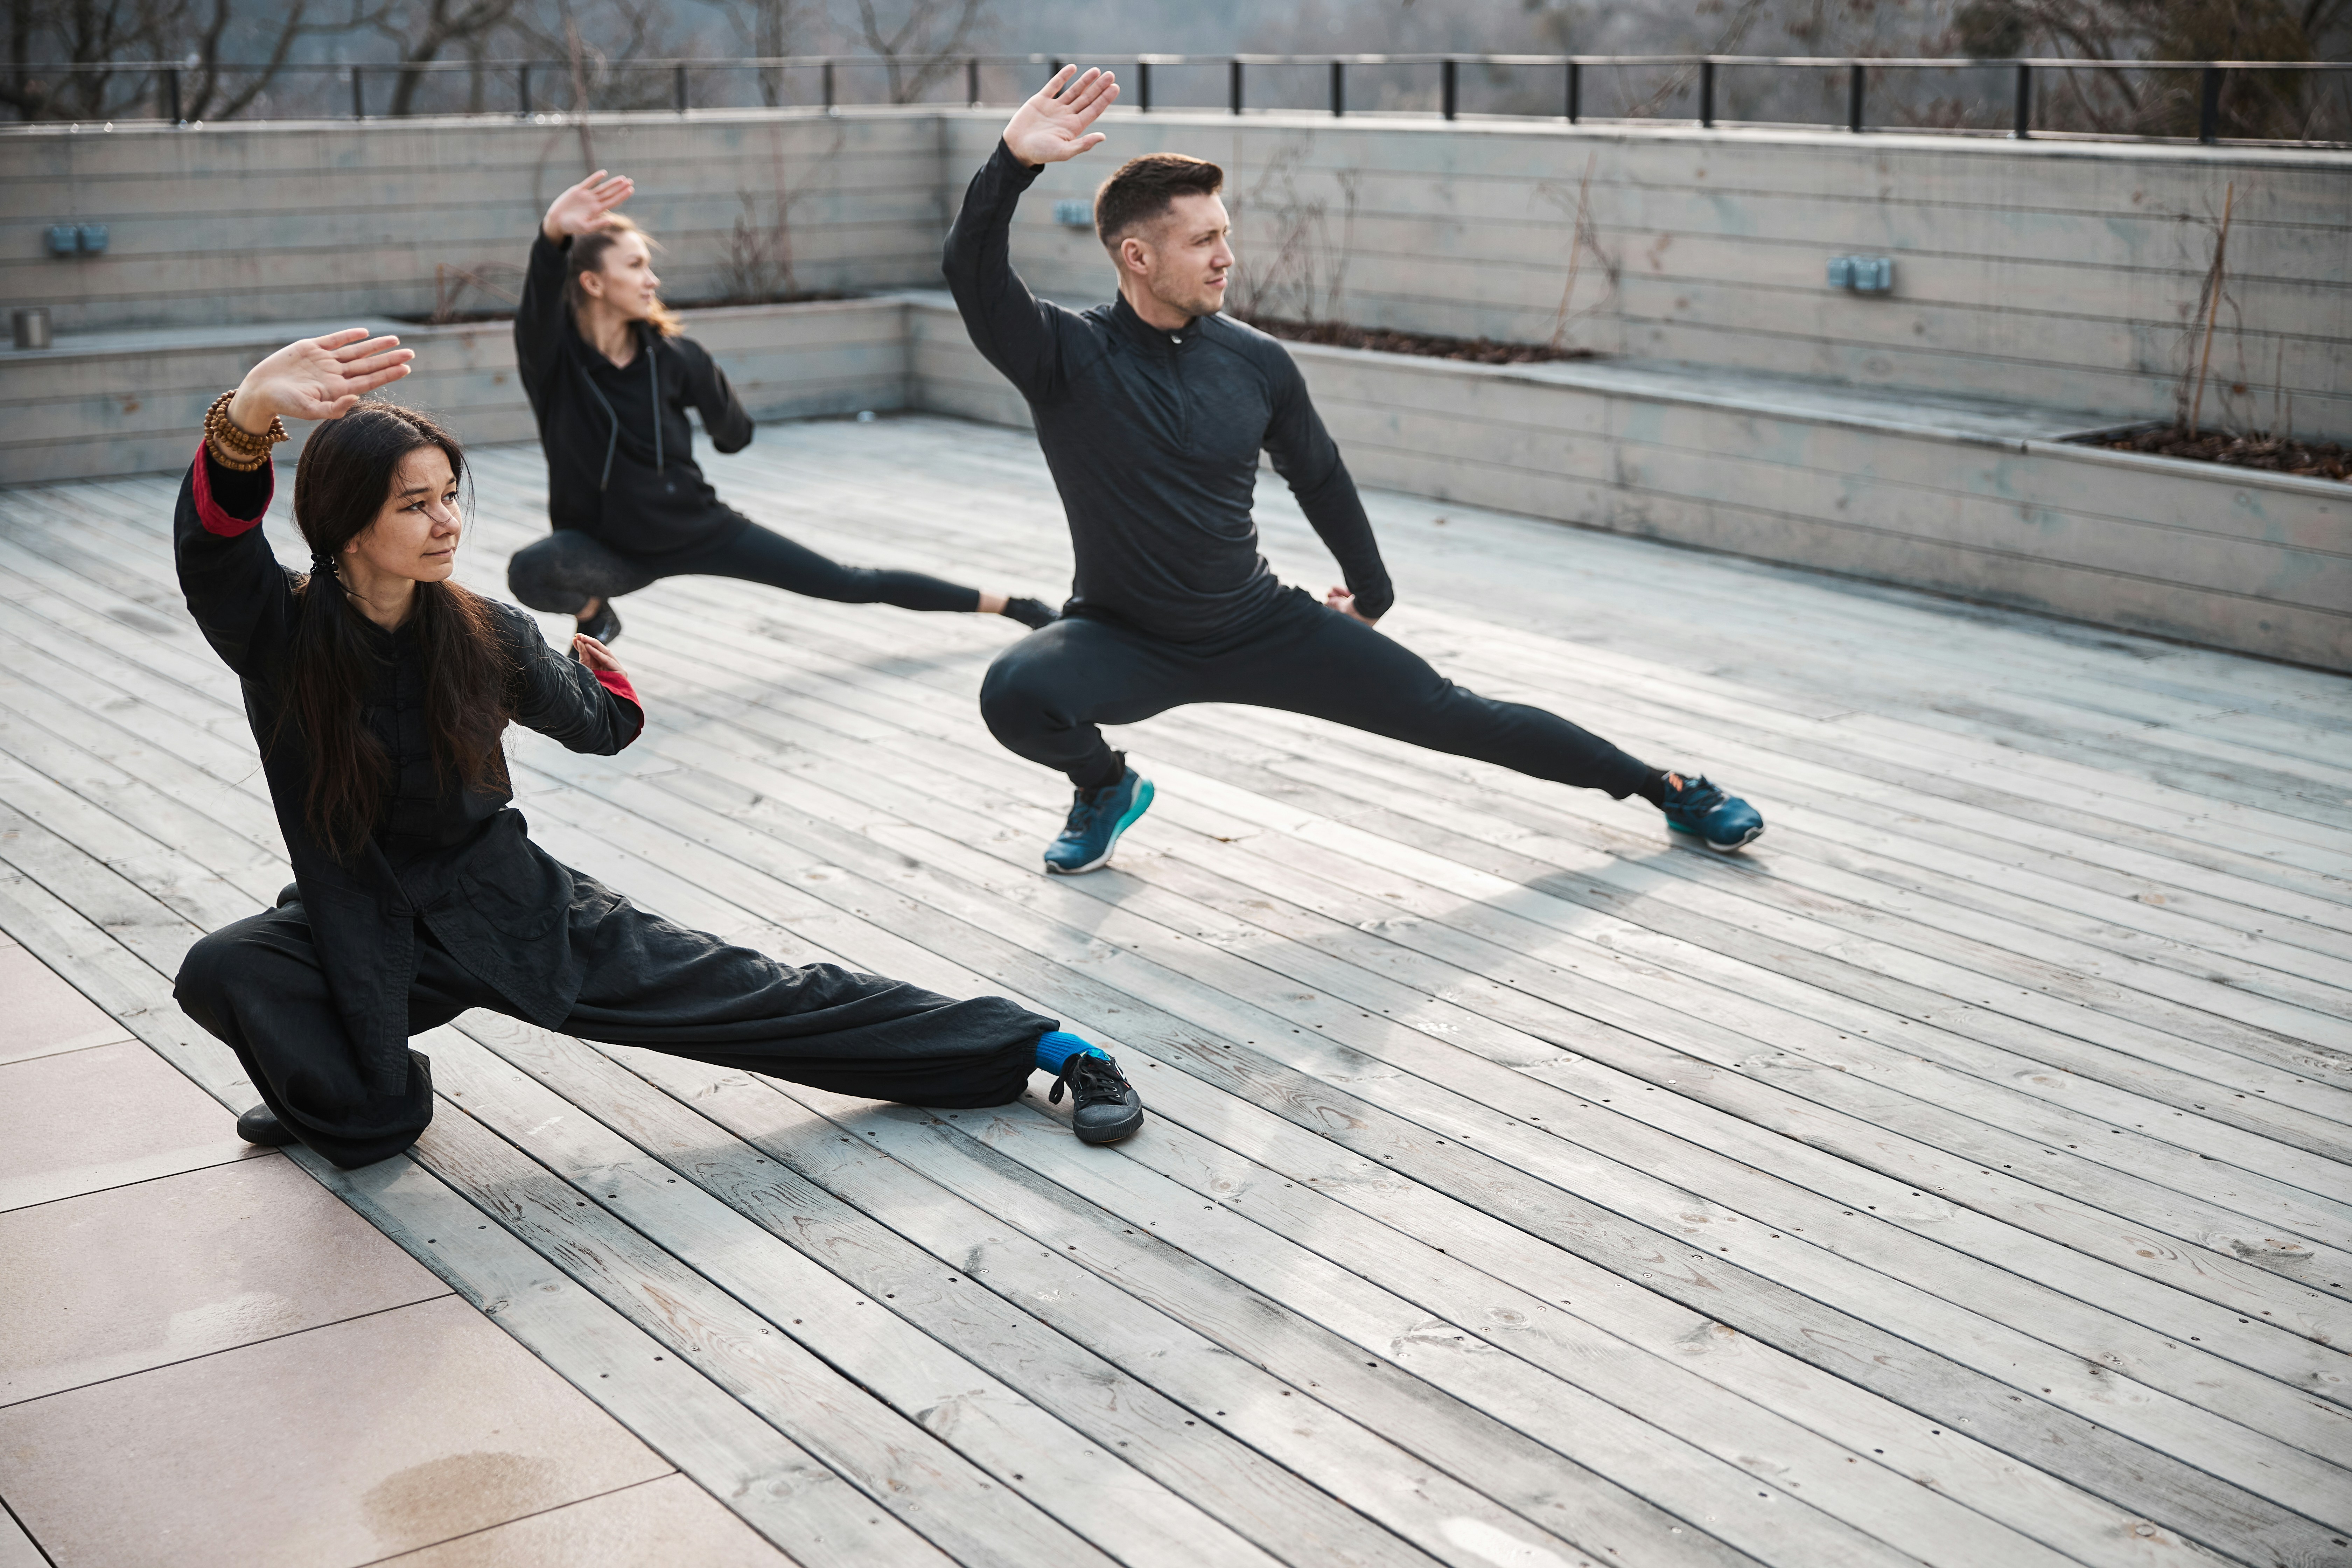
<point>1862,274</point>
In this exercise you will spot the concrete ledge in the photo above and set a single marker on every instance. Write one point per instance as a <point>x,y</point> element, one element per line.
<point>1975,498</point>
<point>131,402</point>
<point>1959,496</point>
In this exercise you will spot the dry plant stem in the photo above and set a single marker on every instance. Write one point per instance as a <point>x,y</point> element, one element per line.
<point>2212,302</point>
<point>1575,249</point>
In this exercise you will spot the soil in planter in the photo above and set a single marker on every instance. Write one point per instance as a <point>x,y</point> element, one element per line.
<point>1430,345</point>
<point>2319,461</point>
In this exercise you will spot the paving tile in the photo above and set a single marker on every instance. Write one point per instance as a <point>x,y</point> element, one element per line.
<point>104,1117</point>
<point>335,1447</point>
<point>137,1277</point>
<point>43,1015</point>
<point>17,1549</point>
<point>661,1525</point>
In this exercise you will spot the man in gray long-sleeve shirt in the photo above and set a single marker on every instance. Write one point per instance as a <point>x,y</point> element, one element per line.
<point>1152,411</point>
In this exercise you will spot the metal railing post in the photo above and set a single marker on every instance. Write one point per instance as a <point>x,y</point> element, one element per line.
<point>1448,87</point>
<point>2208,105</point>
<point>828,86</point>
<point>2024,125</point>
<point>1575,91</point>
<point>1707,94</point>
<point>171,94</point>
<point>971,82</point>
<point>1855,76</point>
<point>1233,84</point>
<point>522,91</point>
<point>1143,87</point>
<point>358,94</point>
<point>1339,88</point>
<point>680,90</point>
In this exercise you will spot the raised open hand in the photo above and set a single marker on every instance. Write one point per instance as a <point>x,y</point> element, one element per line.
<point>1052,126</point>
<point>318,378</point>
<point>586,206</point>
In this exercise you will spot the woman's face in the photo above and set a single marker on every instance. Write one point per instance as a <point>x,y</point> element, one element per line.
<point>624,278</point>
<point>415,533</point>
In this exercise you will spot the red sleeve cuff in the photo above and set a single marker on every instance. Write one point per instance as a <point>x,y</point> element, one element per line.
<point>613,681</point>
<point>209,512</point>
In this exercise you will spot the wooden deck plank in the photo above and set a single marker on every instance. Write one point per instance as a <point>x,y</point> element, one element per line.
<point>2200,1174</point>
<point>1210,979</point>
<point>2020,1047</point>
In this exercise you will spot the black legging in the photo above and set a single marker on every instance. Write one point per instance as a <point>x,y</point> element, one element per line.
<point>1045,695</point>
<point>562,571</point>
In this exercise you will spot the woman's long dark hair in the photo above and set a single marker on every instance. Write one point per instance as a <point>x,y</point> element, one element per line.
<point>345,475</point>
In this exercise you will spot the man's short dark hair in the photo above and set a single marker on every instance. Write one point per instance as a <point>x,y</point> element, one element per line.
<point>1146,187</point>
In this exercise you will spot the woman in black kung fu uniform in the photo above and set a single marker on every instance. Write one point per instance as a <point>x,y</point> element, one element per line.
<point>379,692</point>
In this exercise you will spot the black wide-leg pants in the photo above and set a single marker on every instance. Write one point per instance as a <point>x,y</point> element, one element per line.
<point>258,985</point>
<point>560,573</point>
<point>1045,696</point>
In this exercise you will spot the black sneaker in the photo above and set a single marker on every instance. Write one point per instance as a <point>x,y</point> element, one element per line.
<point>1105,1107</point>
<point>260,1125</point>
<point>1034,613</point>
<point>604,626</point>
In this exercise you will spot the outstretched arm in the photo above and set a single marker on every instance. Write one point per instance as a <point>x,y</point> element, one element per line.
<point>1014,330</point>
<point>539,316</point>
<point>1309,461</point>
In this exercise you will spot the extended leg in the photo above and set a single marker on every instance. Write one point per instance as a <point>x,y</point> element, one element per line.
<point>1336,667</point>
<point>660,985</point>
<point>761,555</point>
<point>1339,669</point>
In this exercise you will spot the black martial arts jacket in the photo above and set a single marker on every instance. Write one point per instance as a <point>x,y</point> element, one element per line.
<point>457,858</point>
<point>1153,437</point>
<point>620,451</point>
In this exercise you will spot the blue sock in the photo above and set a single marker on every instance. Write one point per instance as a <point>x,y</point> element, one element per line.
<point>1056,1047</point>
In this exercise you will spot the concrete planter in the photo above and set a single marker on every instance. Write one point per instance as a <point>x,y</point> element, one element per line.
<point>1985,501</point>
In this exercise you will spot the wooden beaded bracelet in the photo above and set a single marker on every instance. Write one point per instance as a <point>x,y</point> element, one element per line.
<point>234,447</point>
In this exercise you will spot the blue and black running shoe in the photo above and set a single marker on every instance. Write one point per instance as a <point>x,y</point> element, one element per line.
<point>1721,821</point>
<point>1097,816</point>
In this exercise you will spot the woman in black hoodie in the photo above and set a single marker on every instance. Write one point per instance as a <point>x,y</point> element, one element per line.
<point>610,376</point>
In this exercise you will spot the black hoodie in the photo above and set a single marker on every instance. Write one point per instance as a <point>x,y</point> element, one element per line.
<point>1152,437</point>
<point>620,453</point>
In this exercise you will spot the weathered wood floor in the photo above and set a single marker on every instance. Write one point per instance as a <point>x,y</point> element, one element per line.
<point>1960,1177</point>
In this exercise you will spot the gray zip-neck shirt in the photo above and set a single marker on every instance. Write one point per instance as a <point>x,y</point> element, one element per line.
<point>1153,439</point>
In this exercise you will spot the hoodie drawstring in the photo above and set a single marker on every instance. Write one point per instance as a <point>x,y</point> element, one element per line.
<point>612,435</point>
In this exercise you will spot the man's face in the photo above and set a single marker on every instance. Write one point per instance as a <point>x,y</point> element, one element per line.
<point>1184,256</point>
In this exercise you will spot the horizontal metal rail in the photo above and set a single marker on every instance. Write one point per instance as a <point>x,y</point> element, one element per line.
<point>1704,68</point>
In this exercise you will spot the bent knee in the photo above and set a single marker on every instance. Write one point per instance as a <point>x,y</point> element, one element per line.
<point>533,579</point>
<point>1018,691</point>
<point>212,973</point>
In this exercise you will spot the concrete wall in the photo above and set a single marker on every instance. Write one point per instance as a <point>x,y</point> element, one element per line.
<point>65,415</point>
<point>276,222</point>
<point>2063,274</point>
<point>1920,494</point>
